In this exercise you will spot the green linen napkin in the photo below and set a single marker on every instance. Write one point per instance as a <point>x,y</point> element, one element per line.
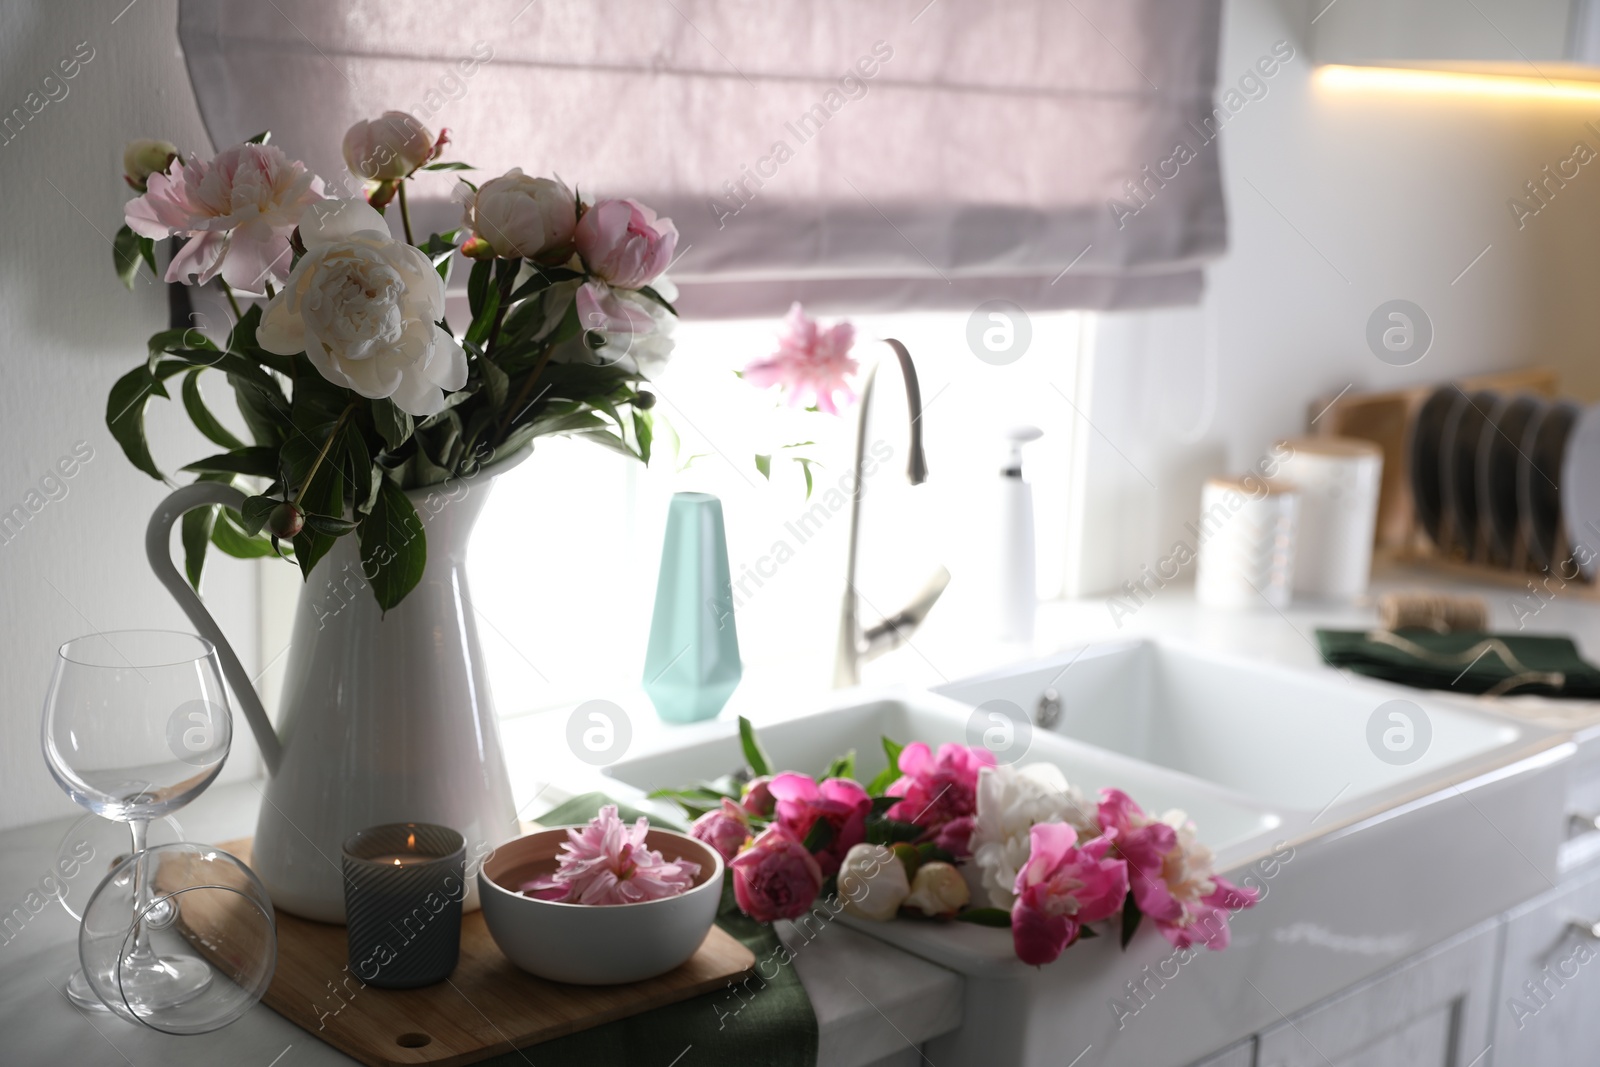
<point>767,1021</point>
<point>1512,664</point>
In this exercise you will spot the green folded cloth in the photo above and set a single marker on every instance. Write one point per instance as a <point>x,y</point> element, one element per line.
<point>767,1021</point>
<point>1495,664</point>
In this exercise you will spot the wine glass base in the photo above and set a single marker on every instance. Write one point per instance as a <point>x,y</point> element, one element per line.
<point>80,994</point>
<point>157,983</point>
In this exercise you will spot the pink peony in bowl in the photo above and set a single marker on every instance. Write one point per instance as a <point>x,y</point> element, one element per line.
<point>596,944</point>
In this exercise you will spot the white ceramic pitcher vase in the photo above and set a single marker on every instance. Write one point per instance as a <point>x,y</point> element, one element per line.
<point>383,718</point>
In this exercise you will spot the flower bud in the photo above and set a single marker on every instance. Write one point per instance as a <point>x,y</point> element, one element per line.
<point>144,157</point>
<point>872,882</point>
<point>938,891</point>
<point>758,799</point>
<point>477,248</point>
<point>387,148</point>
<point>520,215</point>
<point>724,829</point>
<point>285,520</point>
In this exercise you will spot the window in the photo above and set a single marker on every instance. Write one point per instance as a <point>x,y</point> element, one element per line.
<point>563,563</point>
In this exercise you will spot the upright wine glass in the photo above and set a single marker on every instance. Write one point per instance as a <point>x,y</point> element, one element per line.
<point>135,726</point>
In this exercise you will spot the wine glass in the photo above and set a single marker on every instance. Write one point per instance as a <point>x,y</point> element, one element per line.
<point>197,896</point>
<point>136,724</point>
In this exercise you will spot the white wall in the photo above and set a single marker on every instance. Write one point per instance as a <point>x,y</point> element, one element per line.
<point>69,330</point>
<point>1338,201</point>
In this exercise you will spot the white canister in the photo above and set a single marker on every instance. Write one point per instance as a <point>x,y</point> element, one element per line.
<point>1339,479</point>
<point>1246,533</point>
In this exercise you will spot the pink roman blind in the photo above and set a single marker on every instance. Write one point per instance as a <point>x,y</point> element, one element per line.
<point>861,156</point>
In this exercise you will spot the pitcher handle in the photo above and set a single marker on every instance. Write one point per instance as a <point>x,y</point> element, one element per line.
<point>158,547</point>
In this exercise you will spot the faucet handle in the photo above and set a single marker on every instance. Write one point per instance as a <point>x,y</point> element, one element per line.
<point>896,629</point>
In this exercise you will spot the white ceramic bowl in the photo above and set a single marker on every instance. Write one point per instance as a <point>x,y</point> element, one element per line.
<point>591,944</point>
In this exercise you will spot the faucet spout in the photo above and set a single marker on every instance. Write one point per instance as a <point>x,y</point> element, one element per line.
<point>858,644</point>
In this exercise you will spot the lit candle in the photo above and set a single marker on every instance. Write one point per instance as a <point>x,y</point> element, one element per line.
<point>401,859</point>
<point>404,883</point>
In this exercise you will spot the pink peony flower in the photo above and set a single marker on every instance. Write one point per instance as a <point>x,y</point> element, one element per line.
<point>1061,887</point>
<point>237,212</point>
<point>725,829</point>
<point>955,837</point>
<point>841,803</point>
<point>758,798</point>
<point>935,790</point>
<point>1170,873</point>
<point>775,878</point>
<point>811,364</point>
<point>623,243</point>
<point>607,863</point>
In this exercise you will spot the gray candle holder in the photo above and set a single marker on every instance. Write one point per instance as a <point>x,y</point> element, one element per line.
<point>404,918</point>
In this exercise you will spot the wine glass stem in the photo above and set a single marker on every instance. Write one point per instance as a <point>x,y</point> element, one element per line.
<point>141,890</point>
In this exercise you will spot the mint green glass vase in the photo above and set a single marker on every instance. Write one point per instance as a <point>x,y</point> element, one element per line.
<point>692,665</point>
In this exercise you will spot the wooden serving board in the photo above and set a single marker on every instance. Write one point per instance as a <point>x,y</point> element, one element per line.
<point>487,1007</point>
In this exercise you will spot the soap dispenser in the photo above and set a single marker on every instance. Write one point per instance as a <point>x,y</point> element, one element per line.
<point>1016,583</point>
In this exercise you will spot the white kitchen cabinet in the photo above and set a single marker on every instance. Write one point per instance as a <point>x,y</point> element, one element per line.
<point>1518,35</point>
<point>1550,981</point>
<point>1240,1055</point>
<point>1431,1011</point>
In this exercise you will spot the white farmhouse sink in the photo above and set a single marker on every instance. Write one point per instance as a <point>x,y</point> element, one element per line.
<point>811,742</point>
<point>1289,738</point>
<point>1387,858</point>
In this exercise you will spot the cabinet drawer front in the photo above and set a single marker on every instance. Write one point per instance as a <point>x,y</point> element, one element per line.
<point>1432,1011</point>
<point>1550,981</point>
<point>1241,1055</point>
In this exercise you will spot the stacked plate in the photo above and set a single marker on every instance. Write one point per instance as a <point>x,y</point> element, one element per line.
<point>1511,481</point>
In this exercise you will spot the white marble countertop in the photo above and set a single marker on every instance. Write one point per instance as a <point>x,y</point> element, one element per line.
<point>874,1003</point>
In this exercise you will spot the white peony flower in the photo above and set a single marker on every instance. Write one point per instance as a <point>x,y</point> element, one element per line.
<point>520,215</point>
<point>1187,869</point>
<point>1010,802</point>
<point>873,882</point>
<point>364,308</point>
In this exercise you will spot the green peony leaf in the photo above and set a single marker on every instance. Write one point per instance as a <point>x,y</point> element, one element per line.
<point>394,547</point>
<point>258,460</point>
<point>231,538</point>
<point>254,512</point>
<point>754,757</point>
<point>1130,918</point>
<point>392,424</point>
<point>478,289</point>
<point>196,534</point>
<point>201,416</point>
<point>125,416</point>
<point>324,495</point>
<point>125,254</point>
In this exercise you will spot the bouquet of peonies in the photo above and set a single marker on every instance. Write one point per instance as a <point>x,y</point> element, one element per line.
<point>350,381</point>
<point>950,835</point>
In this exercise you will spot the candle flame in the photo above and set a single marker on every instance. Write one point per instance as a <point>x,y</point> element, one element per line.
<point>411,842</point>
<point>397,861</point>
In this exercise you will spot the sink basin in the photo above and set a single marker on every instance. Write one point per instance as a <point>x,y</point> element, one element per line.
<point>811,742</point>
<point>1291,739</point>
<point>1275,768</point>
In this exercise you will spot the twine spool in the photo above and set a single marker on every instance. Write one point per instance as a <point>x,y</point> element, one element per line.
<point>1440,612</point>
